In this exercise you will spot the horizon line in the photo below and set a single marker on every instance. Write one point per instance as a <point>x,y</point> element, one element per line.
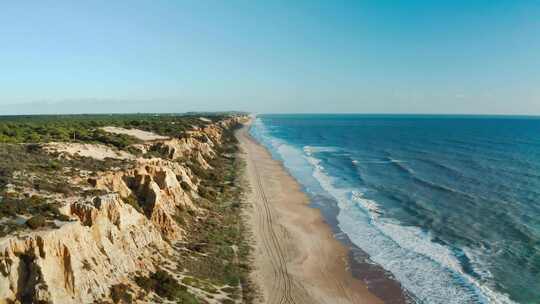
<point>284,113</point>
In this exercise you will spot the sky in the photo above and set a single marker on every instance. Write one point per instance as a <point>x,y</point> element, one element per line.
<point>333,56</point>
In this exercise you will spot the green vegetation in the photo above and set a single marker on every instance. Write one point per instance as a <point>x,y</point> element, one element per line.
<point>200,284</point>
<point>86,128</point>
<point>217,253</point>
<point>36,130</point>
<point>218,249</point>
<point>185,186</point>
<point>166,286</point>
<point>134,202</point>
<point>43,168</point>
<point>28,167</point>
<point>120,293</point>
<point>34,205</point>
<point>36,222</point>
<point>24,166</point>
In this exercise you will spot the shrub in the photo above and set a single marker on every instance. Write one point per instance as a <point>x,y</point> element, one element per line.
<point>207,193</point>
<point>36,222</point>
<point>120,293</point>
<point>185,297</point>
<point>196,168</point>
<point>94,192</point>
<point>86,265</point>
<point>185,186</point>
<point>166,286</point>
<point>60,216</point>
<point>9,207</point>
<point>134,202</point>
<point>33,148</point>
<point>145,283</point>
<point>53,165</point>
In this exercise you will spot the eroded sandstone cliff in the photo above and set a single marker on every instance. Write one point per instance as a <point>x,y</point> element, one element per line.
<point>131,223</point>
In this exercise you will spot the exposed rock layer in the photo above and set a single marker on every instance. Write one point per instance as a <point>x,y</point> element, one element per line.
<point>79,261</point>
<point>109,238</point>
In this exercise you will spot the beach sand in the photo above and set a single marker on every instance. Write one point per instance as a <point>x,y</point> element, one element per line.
<point>297,259</point>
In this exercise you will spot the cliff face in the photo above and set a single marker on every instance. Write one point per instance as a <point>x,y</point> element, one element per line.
<point>79,261</point>
<point>156,186</point>
<point>112,235</point>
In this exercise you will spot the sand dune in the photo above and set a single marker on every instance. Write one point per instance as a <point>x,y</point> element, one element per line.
<point>140,134</point>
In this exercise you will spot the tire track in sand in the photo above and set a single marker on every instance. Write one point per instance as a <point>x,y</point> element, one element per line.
<point>286,289</point>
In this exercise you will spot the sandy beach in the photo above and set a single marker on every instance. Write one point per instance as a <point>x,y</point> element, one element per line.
<point>297,259</point>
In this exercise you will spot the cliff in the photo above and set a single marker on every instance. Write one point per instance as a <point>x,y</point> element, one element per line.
<point>132,223</point>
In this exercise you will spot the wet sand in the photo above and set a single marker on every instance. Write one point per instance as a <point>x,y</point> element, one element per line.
<point>297,259</point>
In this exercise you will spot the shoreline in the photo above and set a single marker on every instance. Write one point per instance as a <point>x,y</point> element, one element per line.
<point>378,280</point>
<point>297,258</point>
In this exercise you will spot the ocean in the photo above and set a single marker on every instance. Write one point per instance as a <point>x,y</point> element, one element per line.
<point>448,205</point>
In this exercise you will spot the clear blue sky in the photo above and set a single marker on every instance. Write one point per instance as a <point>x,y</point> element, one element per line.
<point>271,56</point>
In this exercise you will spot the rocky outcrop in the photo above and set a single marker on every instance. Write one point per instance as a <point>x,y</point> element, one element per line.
<point>156,186</point>
<point>195,144</point>
<point>77,262</point>
<point>111,236</point>
<point>185,147</point>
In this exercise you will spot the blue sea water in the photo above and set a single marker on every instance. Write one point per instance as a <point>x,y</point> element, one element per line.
<point>450,205</point>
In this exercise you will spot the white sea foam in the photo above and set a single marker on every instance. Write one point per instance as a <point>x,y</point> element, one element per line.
<point>427,269</point>
<point>317,149</point>
<point>368,161</point>
<point>369,205</point>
